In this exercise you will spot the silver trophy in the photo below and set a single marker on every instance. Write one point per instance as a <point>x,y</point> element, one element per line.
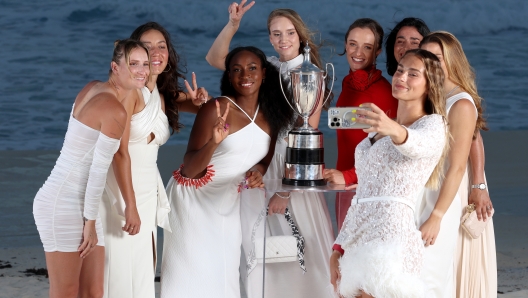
<point>305,153</point>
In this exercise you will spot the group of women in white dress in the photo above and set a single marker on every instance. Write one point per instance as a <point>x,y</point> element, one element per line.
<point>414,171</point>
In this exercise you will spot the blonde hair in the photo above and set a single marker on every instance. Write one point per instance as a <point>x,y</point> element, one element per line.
<point>434,104</point>
<point>459,71</point>
<point>305,35</point>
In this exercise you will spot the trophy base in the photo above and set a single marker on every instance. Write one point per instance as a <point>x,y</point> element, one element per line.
<point>296,182</point>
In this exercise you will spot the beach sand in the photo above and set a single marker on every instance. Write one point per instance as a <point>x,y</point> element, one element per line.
<point>23,172</point>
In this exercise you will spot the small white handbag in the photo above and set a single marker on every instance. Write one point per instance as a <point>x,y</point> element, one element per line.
<point>278,249</point>
<point>284,248</point>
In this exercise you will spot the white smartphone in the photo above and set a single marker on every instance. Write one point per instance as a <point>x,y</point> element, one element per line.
<point>341,118</point>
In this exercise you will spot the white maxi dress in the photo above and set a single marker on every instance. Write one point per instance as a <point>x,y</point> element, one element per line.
<point>310,214</point>
<point>201,256</point>
<point>130,261</point>
<point>439,269</point>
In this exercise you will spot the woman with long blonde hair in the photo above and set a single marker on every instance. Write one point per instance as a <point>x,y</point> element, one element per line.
<point>475,271</point>
<point>379,251</point>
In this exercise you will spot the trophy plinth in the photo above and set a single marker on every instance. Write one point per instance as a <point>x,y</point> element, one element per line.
<point>304,163</point>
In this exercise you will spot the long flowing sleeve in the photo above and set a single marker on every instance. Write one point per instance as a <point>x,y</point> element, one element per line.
<point>104,151</point>
<point>423,140</point>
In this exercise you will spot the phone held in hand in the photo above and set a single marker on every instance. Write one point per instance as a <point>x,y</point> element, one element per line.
<point>341,118</point>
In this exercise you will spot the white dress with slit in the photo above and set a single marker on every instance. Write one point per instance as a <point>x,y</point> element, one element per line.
<point>383,248</point>
<point>201,256</point>
<point>130,260</point>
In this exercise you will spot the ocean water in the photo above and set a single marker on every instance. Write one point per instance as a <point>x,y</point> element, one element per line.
<point>53,48</point>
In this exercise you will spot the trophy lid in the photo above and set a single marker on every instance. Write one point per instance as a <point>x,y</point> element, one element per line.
<point>307,66</point>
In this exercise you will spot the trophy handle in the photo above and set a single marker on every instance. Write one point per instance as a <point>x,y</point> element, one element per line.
<point>282,89</point>
<point>331,86</point>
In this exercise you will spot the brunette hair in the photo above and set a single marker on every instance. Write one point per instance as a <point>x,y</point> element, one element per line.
<point>459,71</point>
<point>305,36</point>
<point>434,104</point>
<point>367,23</point>
<point>167,81</point>
<point>417,23</point>
<point>123,48</point>
<point>270,98</point>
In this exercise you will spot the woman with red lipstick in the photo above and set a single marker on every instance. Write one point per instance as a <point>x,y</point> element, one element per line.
<point>288,34</point>
<point>135,202</point>
<point>231,145</point>
<point>364,83</point>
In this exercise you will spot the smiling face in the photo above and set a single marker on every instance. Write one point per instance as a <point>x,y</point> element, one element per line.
<point>435,48</point>
<point>158,50</point>
<point>361,48</point>
<point>408,38</point>
<point>135,74</point>
<point>246,73</point>
<point>409,81</point>
<point>284,38</point>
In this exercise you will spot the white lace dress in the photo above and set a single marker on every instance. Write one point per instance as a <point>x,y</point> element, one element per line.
<point>383,248</point>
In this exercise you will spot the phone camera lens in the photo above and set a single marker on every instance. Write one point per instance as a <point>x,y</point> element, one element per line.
<point>335,119</point>
<point>337,124</point>
<point>332,124</point>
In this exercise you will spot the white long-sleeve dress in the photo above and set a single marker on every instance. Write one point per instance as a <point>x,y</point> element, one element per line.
<point>383,248</point>
<point>309,212</point>
<point>201,256</point>
<point>130,260</point>
<point>74,188</point>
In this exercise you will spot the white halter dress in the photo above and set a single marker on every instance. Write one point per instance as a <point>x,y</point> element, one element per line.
<point>201,256</point>
<point>130,260</point>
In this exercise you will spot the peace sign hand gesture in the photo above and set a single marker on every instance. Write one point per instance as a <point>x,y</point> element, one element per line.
<point>199,96</point>
<point>236,11</point>
<point>221,128</point>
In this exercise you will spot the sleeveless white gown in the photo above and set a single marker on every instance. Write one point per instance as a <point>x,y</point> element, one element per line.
<point>130,260</point>
<point>201,256</point>
<point>310,213</point>
<point>439,273</point>
<point>74,188</point>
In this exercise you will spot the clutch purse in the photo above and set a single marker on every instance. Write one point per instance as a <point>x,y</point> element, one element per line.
<point>471,224</point>
<point>278,249</point>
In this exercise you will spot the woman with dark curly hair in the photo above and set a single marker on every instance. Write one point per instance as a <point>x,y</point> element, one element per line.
<point>134,202</point>
<point>230,147</point>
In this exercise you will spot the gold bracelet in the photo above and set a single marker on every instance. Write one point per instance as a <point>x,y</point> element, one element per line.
<point>406,137</point>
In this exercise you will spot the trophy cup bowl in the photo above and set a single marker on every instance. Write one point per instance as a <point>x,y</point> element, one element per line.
<point>304,163</point>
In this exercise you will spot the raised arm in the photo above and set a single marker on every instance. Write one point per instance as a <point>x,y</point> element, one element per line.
<point>209,130</point>
<point>220,48</point>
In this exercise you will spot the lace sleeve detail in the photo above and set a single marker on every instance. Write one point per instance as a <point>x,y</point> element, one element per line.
<point>104,151</point>
<point>422,137</point>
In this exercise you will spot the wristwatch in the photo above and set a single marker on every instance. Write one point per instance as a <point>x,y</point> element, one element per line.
<point>481,186</point>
